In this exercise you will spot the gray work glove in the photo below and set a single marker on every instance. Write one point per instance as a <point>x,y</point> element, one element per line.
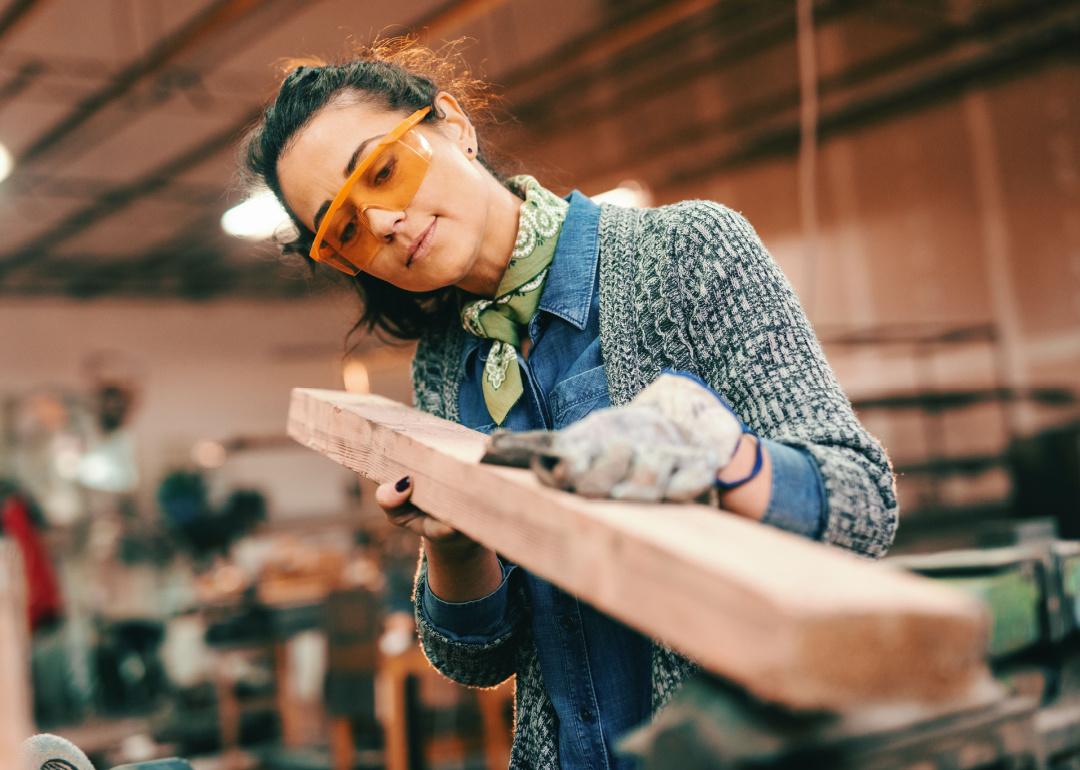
<point>669,443</point>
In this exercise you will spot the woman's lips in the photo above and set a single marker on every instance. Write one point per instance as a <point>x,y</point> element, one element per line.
<point>423,246</point>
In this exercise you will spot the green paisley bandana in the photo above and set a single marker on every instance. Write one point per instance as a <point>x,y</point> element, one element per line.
<point>505,318</point>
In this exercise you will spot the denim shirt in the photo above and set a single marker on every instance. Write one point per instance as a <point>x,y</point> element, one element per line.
<point>596,670</point>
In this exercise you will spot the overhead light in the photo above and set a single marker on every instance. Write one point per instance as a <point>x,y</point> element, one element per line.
<point>355,375</point>
<point>631,194</point>
<point>208,454</point>
<point>6,162</point>
<point>258,218</point>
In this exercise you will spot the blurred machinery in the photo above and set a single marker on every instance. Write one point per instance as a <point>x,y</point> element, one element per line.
<point>1031,723</point>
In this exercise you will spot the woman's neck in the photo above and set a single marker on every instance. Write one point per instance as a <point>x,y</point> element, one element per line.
<point>500,233</point>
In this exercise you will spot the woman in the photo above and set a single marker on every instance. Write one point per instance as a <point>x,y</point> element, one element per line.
<point>538,312</point>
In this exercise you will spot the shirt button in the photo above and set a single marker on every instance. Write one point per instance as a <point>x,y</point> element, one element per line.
<point>567,622</point>
<point>587,715</point>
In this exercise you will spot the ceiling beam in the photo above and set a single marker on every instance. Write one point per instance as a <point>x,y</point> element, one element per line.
<point>20,81</point>
<point>121,196</point>
<point>217,18</point>
<point>80,74</point>
<point>759,116</point>
<point>200,276</point>
<point>1002,59</point>
<point>16,13</point>
<point>187,264</point>
<point>669,67</point>
<point>529,102</point>
<point>600,44</point>
<point>51,186</point>
<point>450,16</point>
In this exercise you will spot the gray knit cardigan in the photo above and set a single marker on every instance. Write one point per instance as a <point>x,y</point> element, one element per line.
<point>688,286</point>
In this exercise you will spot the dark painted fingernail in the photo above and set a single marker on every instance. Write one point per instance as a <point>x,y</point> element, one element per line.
<point>403,484</point>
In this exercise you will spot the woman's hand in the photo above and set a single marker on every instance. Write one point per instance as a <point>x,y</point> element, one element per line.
<point>669,443</point>
<point>459,568</point>
<point>393,498</point>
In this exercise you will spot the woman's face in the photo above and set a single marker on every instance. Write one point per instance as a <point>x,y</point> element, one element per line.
<point>448,215</point>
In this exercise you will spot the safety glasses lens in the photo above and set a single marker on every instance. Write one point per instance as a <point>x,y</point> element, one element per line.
<point>390,181</point>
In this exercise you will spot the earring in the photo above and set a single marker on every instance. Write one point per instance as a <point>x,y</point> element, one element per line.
<point>468,151</point>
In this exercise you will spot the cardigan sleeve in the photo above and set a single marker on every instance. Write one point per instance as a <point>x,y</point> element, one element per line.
<point>478,620</point>
<point>751,341</point>
<point>483,659</point>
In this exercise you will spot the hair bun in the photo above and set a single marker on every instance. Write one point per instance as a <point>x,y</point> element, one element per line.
<point>297,69</point>
<point>301,73</point>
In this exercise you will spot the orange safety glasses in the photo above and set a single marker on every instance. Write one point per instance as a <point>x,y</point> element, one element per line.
<point>387,178</point>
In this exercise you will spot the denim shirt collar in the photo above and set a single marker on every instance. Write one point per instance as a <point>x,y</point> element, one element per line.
<point>568,292</point>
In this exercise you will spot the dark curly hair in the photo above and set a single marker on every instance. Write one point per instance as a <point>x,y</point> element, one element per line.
<point>400,75</point>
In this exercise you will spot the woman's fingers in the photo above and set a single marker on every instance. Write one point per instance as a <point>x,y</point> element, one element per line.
<point>393,498</point>
<point>608,469</point>
<point>393,495</point>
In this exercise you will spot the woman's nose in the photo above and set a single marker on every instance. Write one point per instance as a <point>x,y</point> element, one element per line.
<point>383,222</point>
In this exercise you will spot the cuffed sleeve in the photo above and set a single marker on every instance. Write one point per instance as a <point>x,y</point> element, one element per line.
<point>797,495</point>
<point>479,620</point>
<point>473,659</point>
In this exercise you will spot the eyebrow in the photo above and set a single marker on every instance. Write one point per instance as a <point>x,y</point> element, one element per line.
<point>349,168</point>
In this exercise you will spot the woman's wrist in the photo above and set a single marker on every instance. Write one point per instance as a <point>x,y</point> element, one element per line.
<point>750,499</point>
<point>456,548</point>
<point>461,572</point>
<point>742,462</point>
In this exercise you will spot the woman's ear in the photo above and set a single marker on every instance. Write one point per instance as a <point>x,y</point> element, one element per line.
<point>455,123</point>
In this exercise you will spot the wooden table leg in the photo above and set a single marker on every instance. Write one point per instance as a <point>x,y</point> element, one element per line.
<point>497,733</point>
<point>391,678</point>
<point>342,746</point>
<point>391,687</point>
<point>292,722</point>
<point>228,711</point>
<point>15,722</point>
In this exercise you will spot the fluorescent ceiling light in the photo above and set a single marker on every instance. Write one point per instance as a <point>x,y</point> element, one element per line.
<point>631,194</point>
<point>6,162</point>
<point>258,218</point>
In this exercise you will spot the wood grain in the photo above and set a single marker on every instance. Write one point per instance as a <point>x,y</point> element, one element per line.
<point>792,621</point>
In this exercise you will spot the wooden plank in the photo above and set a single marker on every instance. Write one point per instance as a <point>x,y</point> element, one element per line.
<point>792,621</point>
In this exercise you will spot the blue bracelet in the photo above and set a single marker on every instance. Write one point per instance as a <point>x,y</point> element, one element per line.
<point>759,461</point>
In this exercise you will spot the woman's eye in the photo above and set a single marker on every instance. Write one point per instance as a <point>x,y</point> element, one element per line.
<point>348,232</point>
<point>385,173</point>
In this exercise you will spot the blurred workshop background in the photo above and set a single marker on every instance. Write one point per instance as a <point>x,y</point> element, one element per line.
<point>202,586</point>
